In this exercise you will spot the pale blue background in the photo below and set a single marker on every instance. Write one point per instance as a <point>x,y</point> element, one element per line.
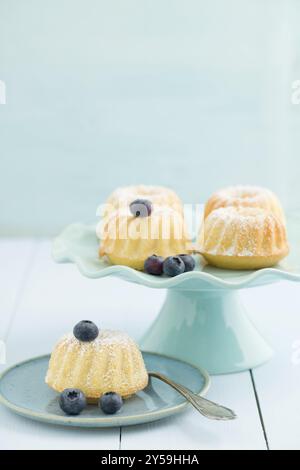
<point>194,94</point>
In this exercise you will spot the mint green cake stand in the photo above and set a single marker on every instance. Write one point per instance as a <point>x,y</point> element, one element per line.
<point>202,320</point>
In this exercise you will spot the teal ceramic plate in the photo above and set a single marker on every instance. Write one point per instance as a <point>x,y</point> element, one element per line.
<point>23,390</point>
<point>78,244</point>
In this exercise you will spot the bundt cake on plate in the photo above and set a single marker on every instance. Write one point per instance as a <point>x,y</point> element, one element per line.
<point>243,238</point>
<point>110,362</point>
<point>129,240</point>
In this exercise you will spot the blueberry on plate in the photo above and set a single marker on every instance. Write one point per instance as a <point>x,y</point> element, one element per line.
<point>85,330</point>
<point>72,401</point>
<point>189,262</point>
<point>173,265</point>
<point>110,403</point>
<point>154,265</point>
<point>141,208</point>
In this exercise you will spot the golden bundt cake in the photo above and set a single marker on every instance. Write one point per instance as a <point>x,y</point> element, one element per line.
<point>243,238</point>
<point>129,240</point>
<point>244,196</point>
<point>158,195</point>
<point>111,362</point>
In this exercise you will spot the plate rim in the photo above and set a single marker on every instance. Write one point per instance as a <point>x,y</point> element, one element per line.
<point>112,421</point>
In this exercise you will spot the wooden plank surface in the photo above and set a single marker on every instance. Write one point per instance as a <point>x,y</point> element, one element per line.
<point>277,312</point>
<point>16,257</point>
<point>189,430</point>
<point>45,300</point>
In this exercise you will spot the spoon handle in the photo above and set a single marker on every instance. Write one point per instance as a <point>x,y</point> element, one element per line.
<point>205,407</point>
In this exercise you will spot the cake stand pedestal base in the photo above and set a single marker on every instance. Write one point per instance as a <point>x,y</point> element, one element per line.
<point>208,328</point>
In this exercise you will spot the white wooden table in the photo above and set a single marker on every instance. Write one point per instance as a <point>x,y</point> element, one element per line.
<point>41,300</point>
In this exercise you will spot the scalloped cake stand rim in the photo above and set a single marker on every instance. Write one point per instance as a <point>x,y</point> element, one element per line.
<point>250,278</point>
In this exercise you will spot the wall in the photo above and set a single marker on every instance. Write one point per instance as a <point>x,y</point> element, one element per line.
<point>193,94</point>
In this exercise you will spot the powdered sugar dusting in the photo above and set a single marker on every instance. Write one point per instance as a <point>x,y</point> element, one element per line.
<point>111,362</point>
<point>104,338</point>
<point>246,192</point>
<point>240,231</point>
<point>245,196</point>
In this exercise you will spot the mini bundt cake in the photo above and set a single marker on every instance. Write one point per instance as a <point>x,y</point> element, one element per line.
<point>243,238</point>
<point>245,196</point>
<point>129,240</point>
<point>111,362</point>
<point>158,195</point>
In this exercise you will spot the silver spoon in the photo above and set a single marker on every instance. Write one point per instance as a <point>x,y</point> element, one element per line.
<point>205,407</point>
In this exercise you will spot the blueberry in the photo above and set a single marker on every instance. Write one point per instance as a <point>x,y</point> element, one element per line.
<point>72,401</point>
<point>173,265</point>
<point>154,265</point>
<point>141,208</point>
<point>110,403</point>
<point>189,262</point>
<point>85,330</point>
